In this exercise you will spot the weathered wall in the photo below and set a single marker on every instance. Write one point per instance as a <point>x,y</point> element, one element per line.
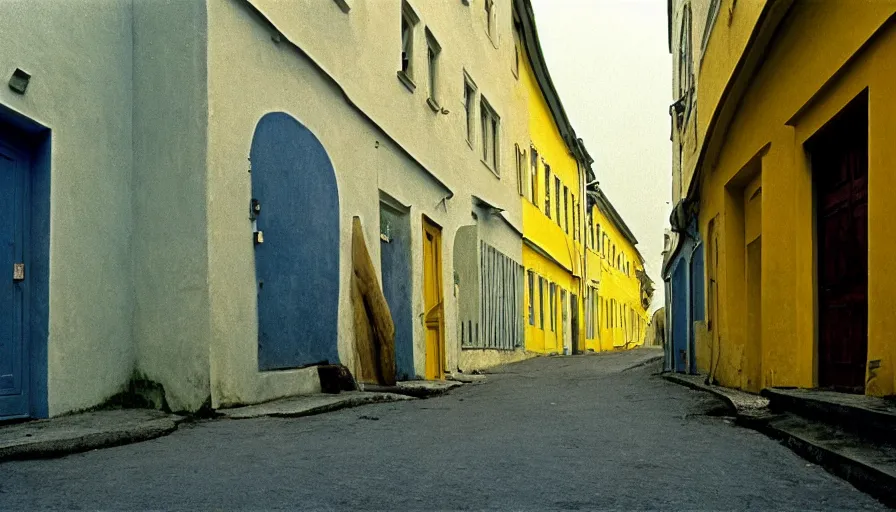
<point>806,79</point>
<point>79,55</point>
<point>171,317</point>
<point>241,48</point>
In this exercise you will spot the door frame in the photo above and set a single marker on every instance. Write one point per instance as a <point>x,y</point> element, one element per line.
<point>429,226</point>
<point>32,141</point>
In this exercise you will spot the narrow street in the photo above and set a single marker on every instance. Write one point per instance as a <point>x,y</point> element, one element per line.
<point>567,433</point>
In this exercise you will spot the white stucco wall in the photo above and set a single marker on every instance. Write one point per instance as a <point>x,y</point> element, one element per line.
<point>251,75</point>
<point>171,319</point>
<point>240,50</point>
<point>79,56</point>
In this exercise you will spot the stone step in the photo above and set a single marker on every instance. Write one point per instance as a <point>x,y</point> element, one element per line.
<point>870,417</point>
<point>869,466</point>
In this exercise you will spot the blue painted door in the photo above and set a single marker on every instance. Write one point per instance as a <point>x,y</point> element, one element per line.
<point>14,377</point>
<point>395,256</point>
<point>297,259</point>
<point>680,296</point>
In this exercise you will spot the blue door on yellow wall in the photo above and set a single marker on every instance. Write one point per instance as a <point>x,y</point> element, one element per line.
<point>14,375</point>
<point>296,245</point>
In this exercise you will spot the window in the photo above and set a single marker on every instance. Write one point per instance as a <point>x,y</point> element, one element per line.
<point>566,208</point>
<point>433,49</point>
<point>517,46</point>
<point>557,197</point>
<point>575,218</point>
<point>409,20</point>
<point>547,190</point>
<point>470,107</point>
<point>490,9</point>
<point>541,302</point>
<point>490,134</point>
<point>531,277</point>
<point>533,175</point>
<point>551,306</point>
<point>520,170</point>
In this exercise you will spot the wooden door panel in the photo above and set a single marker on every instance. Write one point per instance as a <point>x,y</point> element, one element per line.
<point>840,169</point>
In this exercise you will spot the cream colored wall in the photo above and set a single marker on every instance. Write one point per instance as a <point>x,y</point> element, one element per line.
<point>361,50</point>
<point>171,316</point>
<point>79,56</point>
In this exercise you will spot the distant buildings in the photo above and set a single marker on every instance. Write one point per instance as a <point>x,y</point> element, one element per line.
<point>179,181</point>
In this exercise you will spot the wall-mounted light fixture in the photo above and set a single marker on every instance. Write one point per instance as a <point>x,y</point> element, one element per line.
<point>19,81</point>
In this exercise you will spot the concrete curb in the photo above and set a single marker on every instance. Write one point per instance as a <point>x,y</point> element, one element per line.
<point>646,362</point>
<point>416,389</point>
<point>674,377</point>
<point>56,444</point>
<point>309,405</point>
<point>863,476</point>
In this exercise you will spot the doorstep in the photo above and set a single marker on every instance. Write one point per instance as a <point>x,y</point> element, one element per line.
<point>308,405</point>
<point>415,388</point>
<point>869,416</point>
<point>82,432</point>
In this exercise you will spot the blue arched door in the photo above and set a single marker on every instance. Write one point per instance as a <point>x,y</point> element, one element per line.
<point>297,248</point>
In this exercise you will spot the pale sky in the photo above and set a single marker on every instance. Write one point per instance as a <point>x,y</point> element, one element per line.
<point>610,62</point>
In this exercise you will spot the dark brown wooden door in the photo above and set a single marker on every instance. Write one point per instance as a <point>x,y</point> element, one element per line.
<point>840,169</point>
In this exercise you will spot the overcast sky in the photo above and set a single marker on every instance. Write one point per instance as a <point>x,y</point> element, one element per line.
<point>610,62</point>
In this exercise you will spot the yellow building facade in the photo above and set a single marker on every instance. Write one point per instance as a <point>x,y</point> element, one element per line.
<point>784,172</point>
<point>551,174</point>
<point>617,291</point>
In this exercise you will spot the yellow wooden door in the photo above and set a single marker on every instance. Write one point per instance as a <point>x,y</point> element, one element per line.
<point>434,310</point>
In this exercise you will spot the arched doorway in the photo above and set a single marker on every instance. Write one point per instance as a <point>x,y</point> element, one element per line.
<point>295,207</point>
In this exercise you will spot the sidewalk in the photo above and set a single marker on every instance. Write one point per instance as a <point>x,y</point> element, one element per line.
<point>64,435</point>
<point>83,432</point>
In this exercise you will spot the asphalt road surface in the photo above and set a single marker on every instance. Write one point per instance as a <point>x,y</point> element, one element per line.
<point>559,433</point>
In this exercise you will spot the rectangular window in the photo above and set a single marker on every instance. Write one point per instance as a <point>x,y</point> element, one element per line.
<point>409,20</point>
<point>551,306</point>
<point>521,170</point>
<point>557,197</point>
<point>541,302</point>
<point>470,107</point>
<point>566,209</point>
<point>575,217</point>
<point>531,277</point>
<point>516,49</point>
<point>490,135</point>
<point>433,49</point>
<point>547,190</point>
<point>533,175</point>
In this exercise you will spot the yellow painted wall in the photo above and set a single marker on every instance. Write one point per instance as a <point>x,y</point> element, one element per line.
<point>625,327</point>
<point>814,68</point>
<point>559,241</point>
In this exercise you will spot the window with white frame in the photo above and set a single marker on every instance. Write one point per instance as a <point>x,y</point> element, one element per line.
<point>490,133</point>
<point>521,170</point>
